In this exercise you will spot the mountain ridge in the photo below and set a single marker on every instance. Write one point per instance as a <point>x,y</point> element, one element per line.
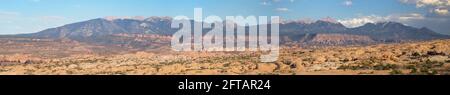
<point>105,30</point>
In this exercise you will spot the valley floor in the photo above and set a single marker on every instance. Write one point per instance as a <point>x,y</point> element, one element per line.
<point>418,58</point>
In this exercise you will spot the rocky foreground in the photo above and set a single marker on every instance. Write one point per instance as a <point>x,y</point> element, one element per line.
<point>418,58</point>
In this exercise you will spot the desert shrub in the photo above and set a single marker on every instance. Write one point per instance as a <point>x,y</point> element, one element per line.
<point>431,64</point>
<point>432,53</point>
<point>416,54</point>
<point>287,62</point>
<point>385,66</point>
<point>179,61</point>
<point>355,67</point>
<point>413,70</point>
<point>410,67</point>
<point>293,66</point>
<point>346,60</point>
<point>371,64</point>
<point>3,70</point>
<point>298,53</point>
<point>425,71</point>
<point>308,59</point>
<point>396,72</point>
<point>226,65</point>
<point>347,67</point>
<point>361,73</point>
<point>424,68</point>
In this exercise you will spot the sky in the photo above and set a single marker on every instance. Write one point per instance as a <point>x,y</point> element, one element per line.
<point>29,16</point>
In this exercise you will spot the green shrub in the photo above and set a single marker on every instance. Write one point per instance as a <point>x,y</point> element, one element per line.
<point>396,72</point>
<point>287,62</point>
<point>416,54</point>
<point>424,68</point>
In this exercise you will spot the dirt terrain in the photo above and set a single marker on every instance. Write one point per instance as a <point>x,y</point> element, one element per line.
<point>65,57</point>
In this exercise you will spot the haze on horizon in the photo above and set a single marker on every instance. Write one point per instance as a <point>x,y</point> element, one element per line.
<point>29,16</point>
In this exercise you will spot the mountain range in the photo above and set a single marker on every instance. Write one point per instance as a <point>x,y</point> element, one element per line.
<point>156,31</point>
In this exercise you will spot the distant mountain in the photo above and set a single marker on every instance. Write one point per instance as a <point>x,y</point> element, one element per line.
<point>101,26</point>
<point>149,32</point>
<point>156,31</point>
<point>392,31</point>
<point>369,33</point>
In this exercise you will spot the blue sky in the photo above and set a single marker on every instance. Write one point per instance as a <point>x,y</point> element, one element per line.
<point>28,16</point>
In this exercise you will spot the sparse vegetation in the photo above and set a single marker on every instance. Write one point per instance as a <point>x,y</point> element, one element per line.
<point>394,59</point>
<point>3,70</point>
<point>416,54</point>
<point>396,72</point>
<point>366,73</point>
<point>433,53</point>
<point>425,68</point>
<point>369,66</point>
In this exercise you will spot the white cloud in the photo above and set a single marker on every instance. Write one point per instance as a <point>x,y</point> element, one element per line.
<point>348,3</point>
<point>282,9</point>
<point>439,7</point>
<point>270,2</point>
<point>437,23</point>
<point>406,17</point>
<point>422,3</point>
<point>279,3</point>
<point>361,20</point>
